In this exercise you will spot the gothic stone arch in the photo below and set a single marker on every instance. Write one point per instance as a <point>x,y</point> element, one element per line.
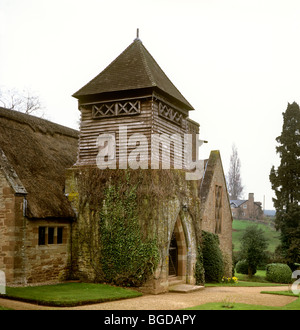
<point>184,234</point>
<point>178,251</point>
<point>174,220</point>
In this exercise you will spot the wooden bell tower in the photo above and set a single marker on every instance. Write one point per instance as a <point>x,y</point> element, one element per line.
<point>133,91</point>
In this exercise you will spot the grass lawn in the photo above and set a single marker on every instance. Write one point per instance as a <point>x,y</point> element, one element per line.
<point>69,294</point>
<point>259,279</point>
<point>295,305</point>
<point>227,305</point>
<point>239,227</point>
<point>243,280</point>
<point>245,284</point>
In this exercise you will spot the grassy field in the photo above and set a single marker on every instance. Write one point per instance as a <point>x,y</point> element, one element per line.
<point>70,294</point>
<point>239,226</point>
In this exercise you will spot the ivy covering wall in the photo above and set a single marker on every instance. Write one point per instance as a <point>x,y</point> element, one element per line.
<point>123,221</point>
<point>126,258</point>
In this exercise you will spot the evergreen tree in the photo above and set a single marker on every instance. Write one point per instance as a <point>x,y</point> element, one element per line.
<point>253,248</point>
<point>285,182</point>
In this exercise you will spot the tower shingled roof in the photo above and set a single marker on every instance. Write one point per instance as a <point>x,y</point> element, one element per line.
<point>133,69</point>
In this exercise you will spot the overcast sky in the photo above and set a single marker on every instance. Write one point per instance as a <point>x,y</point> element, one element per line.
<point>236,61</point>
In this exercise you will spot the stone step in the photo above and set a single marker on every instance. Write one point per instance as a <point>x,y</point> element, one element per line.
<point>174,280</point>
<point>185,288</point>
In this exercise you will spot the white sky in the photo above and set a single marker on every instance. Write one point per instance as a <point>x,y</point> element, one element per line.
<point>236,61</point>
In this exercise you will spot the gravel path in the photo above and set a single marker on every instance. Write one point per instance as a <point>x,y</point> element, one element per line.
<point>173,301</point>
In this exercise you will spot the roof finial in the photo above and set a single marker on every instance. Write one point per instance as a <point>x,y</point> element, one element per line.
<point>137,34</point>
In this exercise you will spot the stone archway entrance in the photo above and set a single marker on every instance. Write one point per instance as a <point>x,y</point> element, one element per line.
<point>178,252</point>
<point>173,256</point>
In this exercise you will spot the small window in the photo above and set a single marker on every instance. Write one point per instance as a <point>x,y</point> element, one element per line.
<point>60,235</point>
<point>245,206</point>
<point>218,209</point>
<point>42,235</point>
<point>50,235</point>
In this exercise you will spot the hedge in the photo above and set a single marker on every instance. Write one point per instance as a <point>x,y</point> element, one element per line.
<point>212,257</point>
<point>278,273</point>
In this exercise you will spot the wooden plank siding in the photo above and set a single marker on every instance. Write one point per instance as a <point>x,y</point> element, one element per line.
<point>162,125</point>
<point>147,123</point>
<point>91,128</point>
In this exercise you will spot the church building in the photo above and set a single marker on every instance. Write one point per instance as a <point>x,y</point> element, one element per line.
<point>53,179</point>
<point>129,114</point>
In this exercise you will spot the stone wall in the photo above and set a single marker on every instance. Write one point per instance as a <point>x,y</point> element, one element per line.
<point>209,216</point>
<point>47,262</point>
<point>22,259</point>
<point>177,212</point>
<point>11,233</point>
<point>25,261</point>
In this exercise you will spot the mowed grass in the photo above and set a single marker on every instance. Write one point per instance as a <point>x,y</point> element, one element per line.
<point>227,305</point>
<point>4,308</point>
<point>70,294</point>
<point>231,305</point>
<point>260,276</point>
<point>257,280</point>
<point>239,227</point>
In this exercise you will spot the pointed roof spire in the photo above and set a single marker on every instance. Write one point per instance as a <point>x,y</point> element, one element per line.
<point>134,69</point>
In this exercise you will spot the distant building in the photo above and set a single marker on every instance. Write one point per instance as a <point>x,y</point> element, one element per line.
<point>246,209</point>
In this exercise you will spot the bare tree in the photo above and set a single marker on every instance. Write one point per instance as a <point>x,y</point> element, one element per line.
<point>234,182</point>
<point>24,101</point>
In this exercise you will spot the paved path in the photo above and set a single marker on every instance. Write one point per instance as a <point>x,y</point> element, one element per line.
<point>173,301</point>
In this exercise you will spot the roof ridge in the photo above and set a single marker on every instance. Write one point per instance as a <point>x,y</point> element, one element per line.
<point>37,123</point>
<point>154,61</point>
<point>148,71</point>
<point>103,71</point>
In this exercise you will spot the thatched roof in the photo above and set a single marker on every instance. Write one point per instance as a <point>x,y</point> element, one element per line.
<point>34,156</point>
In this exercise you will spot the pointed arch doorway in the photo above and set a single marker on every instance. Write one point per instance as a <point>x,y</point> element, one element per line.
<point>178,252</point>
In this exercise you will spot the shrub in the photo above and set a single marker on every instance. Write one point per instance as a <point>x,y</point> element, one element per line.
<point>212,257</point>
<point>242,267</point>
<point>278,273</point>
